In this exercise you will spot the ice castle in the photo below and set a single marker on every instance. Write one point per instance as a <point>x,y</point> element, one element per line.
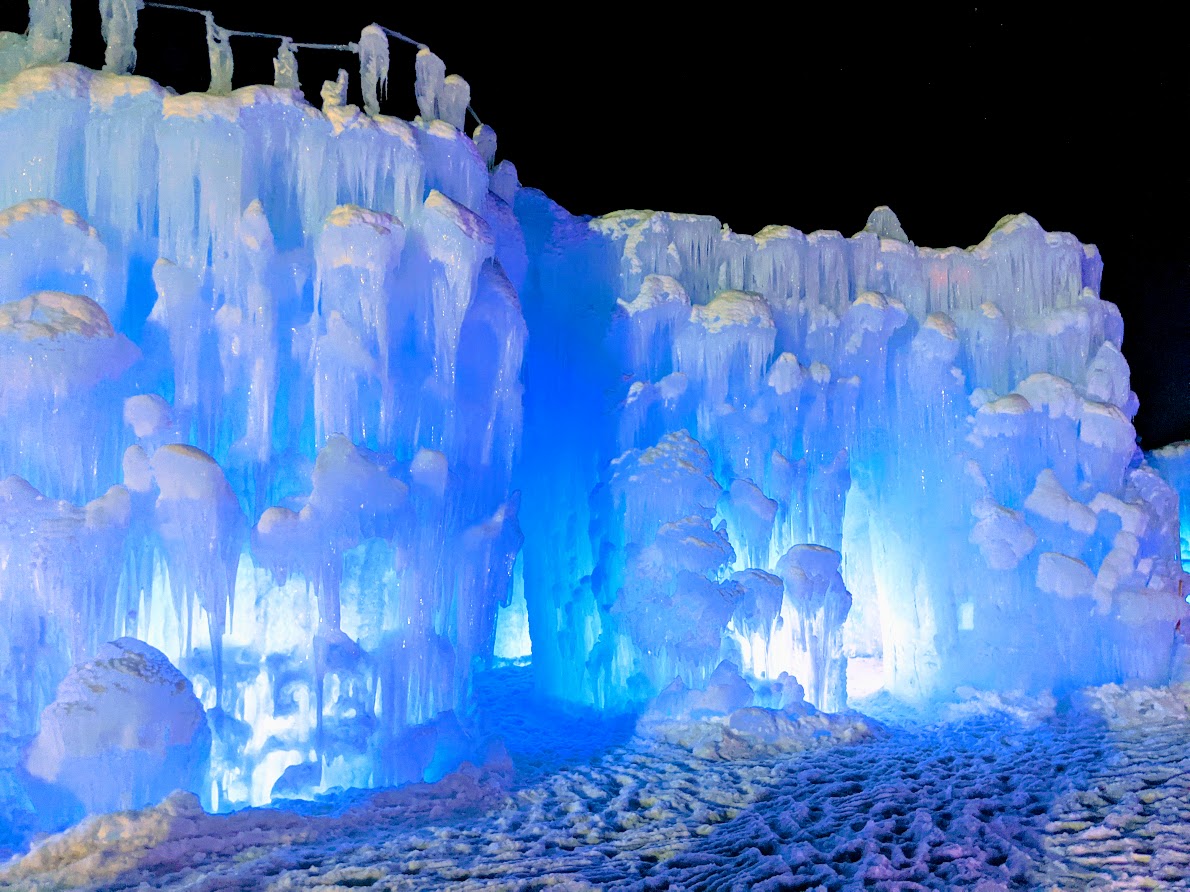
<point>311,414</point>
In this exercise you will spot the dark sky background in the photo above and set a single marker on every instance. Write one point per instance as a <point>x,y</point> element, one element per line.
<point>804,117</point>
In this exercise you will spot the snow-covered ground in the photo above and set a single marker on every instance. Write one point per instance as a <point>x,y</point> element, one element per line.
<point>1092,798</point>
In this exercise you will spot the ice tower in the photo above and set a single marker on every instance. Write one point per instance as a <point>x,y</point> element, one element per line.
<point>306,402</point>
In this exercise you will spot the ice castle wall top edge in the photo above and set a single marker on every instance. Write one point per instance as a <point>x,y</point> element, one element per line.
<point>623,224</point>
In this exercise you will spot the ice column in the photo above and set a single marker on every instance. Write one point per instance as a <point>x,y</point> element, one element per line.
<point>429,84</point>
<point>59,598</point>
<point>373,67</point>
<point>359,253</point>
<point>458,242</point>
<point>50,30</point>
<point>820,602</point>
<point>118,18</point>
<point>219,51</point>
<point>201,532</point>
<point>61,365</point>
<point>285,67</point>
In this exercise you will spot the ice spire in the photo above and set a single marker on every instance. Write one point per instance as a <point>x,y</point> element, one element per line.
<point>219,50</point>
<point>334,93</point>
<point>431,72</point>
<point>484,138</point>
<point>373,67</point>
<point>50,29</point>
<point>884,223</point>
<point>285,67</point>
<point>119,33</point>
<point>456,97</point>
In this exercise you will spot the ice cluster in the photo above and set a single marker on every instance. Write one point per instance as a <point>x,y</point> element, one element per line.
<point>325,410</point>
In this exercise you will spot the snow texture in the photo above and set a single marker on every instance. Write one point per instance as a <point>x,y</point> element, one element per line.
<point>988,802</point>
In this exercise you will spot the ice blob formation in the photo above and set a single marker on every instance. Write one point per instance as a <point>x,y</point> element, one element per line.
<point>319,406</point>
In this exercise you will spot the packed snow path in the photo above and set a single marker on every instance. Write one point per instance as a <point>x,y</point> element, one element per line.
<point>985,804</point>
<point>1129,828</point>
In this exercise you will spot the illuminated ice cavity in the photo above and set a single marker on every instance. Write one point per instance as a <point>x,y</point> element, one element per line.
<point>332,412</point>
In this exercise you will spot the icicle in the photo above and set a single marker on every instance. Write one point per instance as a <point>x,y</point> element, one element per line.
<point>431,73</point>
<point>484,138</point>
<point>219,51</point>
<point>50,30</point>
<point>373,67</point>
<point>285,67</point>
<point>119,33</point>
<point>334,93</point>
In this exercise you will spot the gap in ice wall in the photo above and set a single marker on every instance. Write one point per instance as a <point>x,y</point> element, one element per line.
<point>287,343</point>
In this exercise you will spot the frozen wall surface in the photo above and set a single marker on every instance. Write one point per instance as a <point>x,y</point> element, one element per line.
<point>310,402</point>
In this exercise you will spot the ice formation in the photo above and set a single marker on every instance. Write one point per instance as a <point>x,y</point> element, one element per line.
<point>128,693</point>
<point>328,409</point>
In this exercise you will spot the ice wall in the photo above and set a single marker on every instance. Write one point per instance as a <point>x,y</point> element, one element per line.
<point>260,376</point>
<point>953,426</point>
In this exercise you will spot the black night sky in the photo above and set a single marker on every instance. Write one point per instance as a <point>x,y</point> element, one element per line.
<point>784,114</point>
